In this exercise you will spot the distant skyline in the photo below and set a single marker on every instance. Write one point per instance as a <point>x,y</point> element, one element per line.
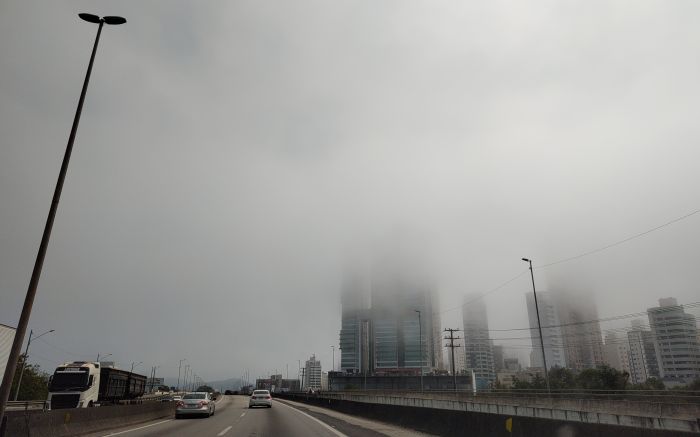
<point>232,158</point>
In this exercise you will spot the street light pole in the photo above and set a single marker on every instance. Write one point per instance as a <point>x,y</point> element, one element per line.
<point>39,262</point>
<point>132,365</point>
<point>26,357</point>
<point>98,357</point>
<point>539,325</point>
<point>420,335</point>
<point>184,382</point>
<point>179,367</point>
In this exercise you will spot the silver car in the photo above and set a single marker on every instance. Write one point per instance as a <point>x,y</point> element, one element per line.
<point>195,404</point>
<point>260,397</point>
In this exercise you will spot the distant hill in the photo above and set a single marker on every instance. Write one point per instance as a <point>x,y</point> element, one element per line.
<point>225,384</point>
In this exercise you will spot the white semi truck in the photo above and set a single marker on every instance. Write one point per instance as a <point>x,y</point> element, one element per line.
<point>82,384</point>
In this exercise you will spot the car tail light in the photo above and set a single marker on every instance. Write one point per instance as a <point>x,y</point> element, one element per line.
<point>268,397</point>
<point>203,403</point>
<point>180,404</point>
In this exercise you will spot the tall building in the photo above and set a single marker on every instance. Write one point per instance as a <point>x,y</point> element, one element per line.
<point>312,374</point>
<point>583,340</point>
<point>355,325</point>
<point>642,353</point>
<point>675,335</point>
<point>477,342</point>
<point>498,358</point>
<point>460,360</point>
<point>381,330</point>
<point>616,352</point>
<point>551,331</point>
<point>571,332</point>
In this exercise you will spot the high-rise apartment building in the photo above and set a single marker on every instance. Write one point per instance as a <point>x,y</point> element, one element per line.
<point>571,333</point>
<point>675,336</point>
<point>642,353</point>
<point>551,331</point>
<point>312,374</point>
<point>477,342</point>
<point>583,340</point>
<point>498,358</point>
<point>616,352</point>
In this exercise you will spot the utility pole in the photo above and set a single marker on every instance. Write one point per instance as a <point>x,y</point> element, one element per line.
<point>452,347</point>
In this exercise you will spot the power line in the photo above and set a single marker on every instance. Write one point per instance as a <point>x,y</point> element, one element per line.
<point>571,258</point>
<point>484,294</point>
<point>617,243</point>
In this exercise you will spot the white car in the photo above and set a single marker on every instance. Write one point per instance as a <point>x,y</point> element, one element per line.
<point>195,404</point>
<point>260,398</point>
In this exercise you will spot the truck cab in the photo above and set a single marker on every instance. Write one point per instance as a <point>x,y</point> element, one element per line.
<point>74,385</point>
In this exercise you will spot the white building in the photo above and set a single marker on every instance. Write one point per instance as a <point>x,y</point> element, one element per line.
<point>312,374</point>
<point>675,335</point>
<point>642,354</point>
<point>571,332</point>
<point>551,331</point>
<point>324,381</point>
<point>460,360</point>
<point>616,352</point>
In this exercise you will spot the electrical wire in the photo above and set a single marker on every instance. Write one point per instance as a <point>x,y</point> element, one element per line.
<point>617,243</point>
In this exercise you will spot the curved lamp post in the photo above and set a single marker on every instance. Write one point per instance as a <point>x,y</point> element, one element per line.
<point>38,264</point>
<point>26,357</point>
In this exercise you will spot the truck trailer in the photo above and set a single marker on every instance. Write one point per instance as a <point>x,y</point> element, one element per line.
<point>82,384</point>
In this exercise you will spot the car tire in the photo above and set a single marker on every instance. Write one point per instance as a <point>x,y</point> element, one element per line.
<point>177,416</point>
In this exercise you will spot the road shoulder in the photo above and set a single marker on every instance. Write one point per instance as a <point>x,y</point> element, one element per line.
<point>346,423</point>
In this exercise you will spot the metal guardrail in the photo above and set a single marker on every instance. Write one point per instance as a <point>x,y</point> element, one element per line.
<point>27,405</point>
<point>636,396</point>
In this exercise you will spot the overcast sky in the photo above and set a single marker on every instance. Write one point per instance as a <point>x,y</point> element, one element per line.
<point>232,156</point>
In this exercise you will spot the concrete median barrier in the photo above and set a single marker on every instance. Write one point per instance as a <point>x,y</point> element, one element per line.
<point>82,421</point>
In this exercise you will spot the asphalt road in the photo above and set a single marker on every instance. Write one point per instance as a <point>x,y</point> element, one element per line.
<point>234,418</point>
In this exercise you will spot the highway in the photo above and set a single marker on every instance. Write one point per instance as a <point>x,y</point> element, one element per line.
<point>234,418</point>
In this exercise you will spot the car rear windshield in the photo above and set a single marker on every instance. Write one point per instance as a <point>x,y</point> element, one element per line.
<point>195,396</point>
<point>261,392</point>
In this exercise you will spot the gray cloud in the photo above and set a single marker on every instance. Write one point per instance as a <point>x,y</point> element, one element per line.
<point>231,156</point>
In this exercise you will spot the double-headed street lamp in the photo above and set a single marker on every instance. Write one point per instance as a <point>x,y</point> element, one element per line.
<point>539,325</point>
<point>39,262</point>
<point>104,356</point>
<point>26,357</point>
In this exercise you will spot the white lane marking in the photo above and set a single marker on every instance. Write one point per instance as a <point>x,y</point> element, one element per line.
<point>242,414</point>
<point>136,429</point>
<point>325,425</point>
<point>225,431</point>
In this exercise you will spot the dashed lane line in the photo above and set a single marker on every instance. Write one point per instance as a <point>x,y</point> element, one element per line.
<point>224,431</point>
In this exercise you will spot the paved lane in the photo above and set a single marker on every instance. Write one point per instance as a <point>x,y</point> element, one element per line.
<point>234,418</point>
